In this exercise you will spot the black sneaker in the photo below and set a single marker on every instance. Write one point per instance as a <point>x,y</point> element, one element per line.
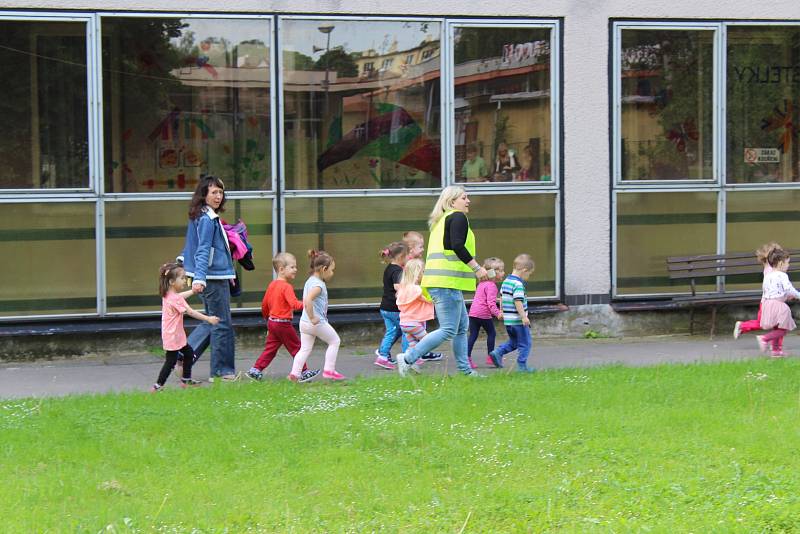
<point>307,375</point>
<point>433,357</point>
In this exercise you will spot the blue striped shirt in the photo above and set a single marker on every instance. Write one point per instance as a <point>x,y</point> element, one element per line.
<point>513,289</point>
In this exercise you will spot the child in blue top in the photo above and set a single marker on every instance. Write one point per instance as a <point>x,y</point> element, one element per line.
<point>515,315</point>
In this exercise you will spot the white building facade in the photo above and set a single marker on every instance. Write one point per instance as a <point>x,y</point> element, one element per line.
<point>600,137</point>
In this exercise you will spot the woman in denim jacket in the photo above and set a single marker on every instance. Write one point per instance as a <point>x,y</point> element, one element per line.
<point>207,259</point>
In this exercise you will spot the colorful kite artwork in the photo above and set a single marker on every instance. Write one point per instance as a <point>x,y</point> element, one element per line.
<point>391,133</point>
<point>782,120</point>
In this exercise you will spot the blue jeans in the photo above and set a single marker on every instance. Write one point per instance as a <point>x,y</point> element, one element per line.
<point>453,324</point>
<point>519,338</point>
<point>392,321</point>
<point>217,300</point>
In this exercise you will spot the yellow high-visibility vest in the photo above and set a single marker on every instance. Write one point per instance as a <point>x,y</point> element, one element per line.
<point>442,267</point>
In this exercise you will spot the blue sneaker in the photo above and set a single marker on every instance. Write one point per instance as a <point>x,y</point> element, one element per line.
<point>432,357</point>
<point>254,374</point>
<point>497,359</point>
<point>523,368</point>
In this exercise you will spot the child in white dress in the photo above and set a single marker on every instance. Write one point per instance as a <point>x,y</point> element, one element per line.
<point>775,313</point>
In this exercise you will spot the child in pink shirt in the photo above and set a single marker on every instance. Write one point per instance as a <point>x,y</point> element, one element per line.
<point>484,308</point>
<point>172,279</point>
<point>414,304</point>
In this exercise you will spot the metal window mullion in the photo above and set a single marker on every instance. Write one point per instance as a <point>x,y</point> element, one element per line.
<point>447,94</point>
<point>719,130</point>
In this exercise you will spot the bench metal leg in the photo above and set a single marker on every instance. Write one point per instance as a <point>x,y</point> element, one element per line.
<point>691,321</point>
<point>713,321</point>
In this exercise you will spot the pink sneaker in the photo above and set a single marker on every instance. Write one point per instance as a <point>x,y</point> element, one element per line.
<point>471,363</point>
<point>332,375</point>
<point>778,354</point>
<point>489,361</point>
<point>293,378</point>
<point>381,361</point>
<point>763,346</point>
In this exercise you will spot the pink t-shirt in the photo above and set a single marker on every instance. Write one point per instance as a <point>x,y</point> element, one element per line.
<point>173,336</point>
<point>414,306</point>
<point>484,304</point>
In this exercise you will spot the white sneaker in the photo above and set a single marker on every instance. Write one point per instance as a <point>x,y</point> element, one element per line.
<point>402,365</point>
<point>416,367</point>
<point>737,330</point>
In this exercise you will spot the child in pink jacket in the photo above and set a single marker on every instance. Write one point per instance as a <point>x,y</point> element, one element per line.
<point>414,304</point>
<point>484,308</point>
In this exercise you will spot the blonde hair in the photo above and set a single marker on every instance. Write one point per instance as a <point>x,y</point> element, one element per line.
<point>524,262</point>
<point>411,272</point>
<point>763,251</point>
<point>282,259</point>
<point>445,202</point>
<point>493,263</point>
<point>412,236</point>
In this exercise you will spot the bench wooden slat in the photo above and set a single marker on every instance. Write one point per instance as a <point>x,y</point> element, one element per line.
<point>753,262</point>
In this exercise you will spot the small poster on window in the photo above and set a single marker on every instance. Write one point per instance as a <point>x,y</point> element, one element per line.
<point>762,155</point>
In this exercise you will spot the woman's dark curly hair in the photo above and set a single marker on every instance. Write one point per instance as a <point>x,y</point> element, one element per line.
<point>200,193</point>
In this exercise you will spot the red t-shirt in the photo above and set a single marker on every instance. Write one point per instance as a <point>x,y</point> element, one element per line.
<point>279,300</point>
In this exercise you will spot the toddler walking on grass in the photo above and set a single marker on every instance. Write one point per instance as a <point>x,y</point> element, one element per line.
<point>314,321</point>
<point>416,306</point>
<point>277,306</point>
<point>515,315</point>
<point>172,279</point>
<point>484,308</point>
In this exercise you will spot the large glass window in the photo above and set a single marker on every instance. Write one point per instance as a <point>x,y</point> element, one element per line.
<point>51,258</point>
<point>757,217</point>
<point>654,226</point>
<point>184,97</point>
<point>763,90</point>
<point>502,104</point>
<point>666,116</point>
<point>44,132</point>
<point>361,104</point>
<point>354,230</point>
<point>159,227</point>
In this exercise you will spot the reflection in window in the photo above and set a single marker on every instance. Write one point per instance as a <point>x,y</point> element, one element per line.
<point>667,84</point>
<point>185,97</point>
<point>762,107</point>
<point>357,114</point>
<point>502,104</point>
<point>44,131</point>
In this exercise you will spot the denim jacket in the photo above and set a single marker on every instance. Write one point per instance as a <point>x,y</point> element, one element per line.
<point>206,254</point>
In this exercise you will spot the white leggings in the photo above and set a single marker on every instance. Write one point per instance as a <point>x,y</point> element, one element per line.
<point>308,334</point>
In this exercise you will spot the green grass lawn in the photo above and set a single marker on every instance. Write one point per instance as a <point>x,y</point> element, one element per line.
<point>665,449</point>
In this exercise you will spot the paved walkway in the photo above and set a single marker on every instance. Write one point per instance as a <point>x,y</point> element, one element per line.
<point>138,370</point>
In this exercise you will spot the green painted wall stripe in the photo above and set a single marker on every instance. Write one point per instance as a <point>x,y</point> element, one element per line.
<point>47,234</point>
<point>764,216</point>
<point>54,304</point>
<point>667,218</point>
<point>393,226</point>
<point>154,301</point>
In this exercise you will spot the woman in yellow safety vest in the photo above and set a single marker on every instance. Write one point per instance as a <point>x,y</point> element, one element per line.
<point>450,268</point>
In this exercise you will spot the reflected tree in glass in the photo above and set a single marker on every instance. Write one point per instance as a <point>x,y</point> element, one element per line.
<point>667,104</point>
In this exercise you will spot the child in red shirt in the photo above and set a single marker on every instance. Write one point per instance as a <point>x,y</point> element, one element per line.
<point>277,307</point>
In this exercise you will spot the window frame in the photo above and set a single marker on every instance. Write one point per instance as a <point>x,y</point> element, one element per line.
<point>556,156</point>
<point>357,191</point>
<point>268,38</point>
<point>90,21</point>
<point>616,102</point>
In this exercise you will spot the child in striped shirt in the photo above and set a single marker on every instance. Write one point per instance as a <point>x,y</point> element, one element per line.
<point>515,315</point>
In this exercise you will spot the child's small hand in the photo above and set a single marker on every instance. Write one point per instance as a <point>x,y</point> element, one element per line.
<point>315,320</point>
<point>500,316</point>
<point>526,320</point>
<point>213,319</point>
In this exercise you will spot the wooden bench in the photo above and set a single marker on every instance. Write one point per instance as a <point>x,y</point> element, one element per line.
<point>731,266</point>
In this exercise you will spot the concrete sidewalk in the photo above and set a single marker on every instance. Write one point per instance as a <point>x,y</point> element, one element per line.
<point>138,370</point>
